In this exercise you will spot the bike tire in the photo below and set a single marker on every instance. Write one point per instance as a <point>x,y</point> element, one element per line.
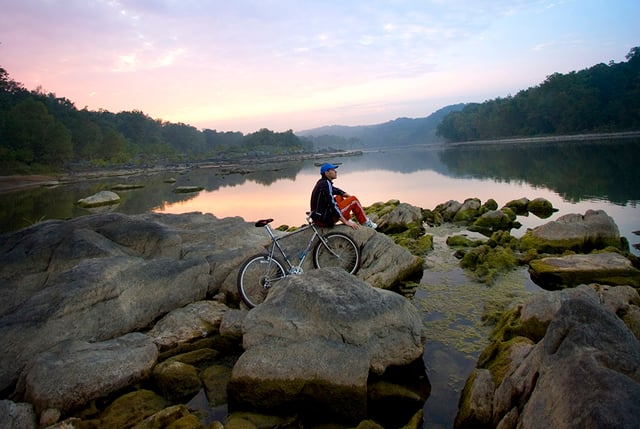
<point>256,276</point>
<point>341,252</point>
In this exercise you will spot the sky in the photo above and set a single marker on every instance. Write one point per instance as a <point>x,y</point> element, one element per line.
<point>245,65</point>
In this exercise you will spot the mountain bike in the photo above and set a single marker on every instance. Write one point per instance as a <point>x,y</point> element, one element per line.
<point>259,272</point>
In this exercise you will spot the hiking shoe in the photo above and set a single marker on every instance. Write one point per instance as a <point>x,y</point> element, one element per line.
<point>371,224</point>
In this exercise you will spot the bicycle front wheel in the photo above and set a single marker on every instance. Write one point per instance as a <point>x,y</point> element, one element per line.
<point>256,276</point>
<point>336,249</point>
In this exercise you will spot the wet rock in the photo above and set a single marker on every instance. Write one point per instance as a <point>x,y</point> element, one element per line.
<point>541,207</point>
<point>571,270</point>
<point>102,198</point>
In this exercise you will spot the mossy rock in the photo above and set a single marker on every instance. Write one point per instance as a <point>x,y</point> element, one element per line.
<point>489,205</point>
<point>176,380</point>
<point>462,241</point>
<point>572,270</point>
<point>541,207</point>
<point>130,409</point>
<point>486,262</point>
<point>575,244</point>
<point>519,206</point>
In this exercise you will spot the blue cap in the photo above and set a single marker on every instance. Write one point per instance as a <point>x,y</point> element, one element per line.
<point>327,167</point>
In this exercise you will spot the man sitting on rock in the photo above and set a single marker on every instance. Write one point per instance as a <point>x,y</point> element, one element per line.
<point>330,204</point>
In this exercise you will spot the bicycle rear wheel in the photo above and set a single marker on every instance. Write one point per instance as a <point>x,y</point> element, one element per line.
<point>339,251</point>
<point>256,276</point>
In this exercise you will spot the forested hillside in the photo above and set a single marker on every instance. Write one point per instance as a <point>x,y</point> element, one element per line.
<point>399,132</point>
<point>42,132</point>
<point>602,98</point>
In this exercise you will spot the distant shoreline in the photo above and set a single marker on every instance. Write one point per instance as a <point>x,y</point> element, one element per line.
<point>551,139</point>
<point>17,182</point>
<point>14,183</point>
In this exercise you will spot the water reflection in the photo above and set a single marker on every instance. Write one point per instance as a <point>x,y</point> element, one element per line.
<point>575,177</point>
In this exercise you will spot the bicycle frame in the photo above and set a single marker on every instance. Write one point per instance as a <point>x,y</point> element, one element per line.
<point>275,244</point>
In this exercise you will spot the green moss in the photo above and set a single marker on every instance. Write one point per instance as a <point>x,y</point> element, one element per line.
<point>578,245</point>
<point>498,357</point>
<point>462,241</point>
<point>486,262</point>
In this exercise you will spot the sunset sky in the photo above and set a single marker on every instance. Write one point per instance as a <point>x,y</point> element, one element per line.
<point>243,65</point>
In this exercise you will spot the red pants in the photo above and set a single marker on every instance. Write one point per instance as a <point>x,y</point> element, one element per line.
<point>351,205</point>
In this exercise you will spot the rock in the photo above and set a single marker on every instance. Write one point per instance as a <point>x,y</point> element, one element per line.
<point>131,408</point>
<point>573,352</point>
<point>494,220</point>
<point>101,276</point>
<point>448,210</point>
<point>588,352</point>
<point>98,277</point>
<point>315,340</point>
<point>126,186</point>
<point>17,415</point>
<point>401,218</point>
<point>579,233</point>
<point>176,380</point>
<point>469,210</point>
<point>519,206</point>
<point>102,198</point>
<point>196,320</point>
<point>74,372</point>
<point>571,270</point>
<point>187,189</point>
<point>541,207</point>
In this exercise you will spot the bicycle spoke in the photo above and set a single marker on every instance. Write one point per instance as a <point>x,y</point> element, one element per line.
<point>337,250</point>
<point>255,278</point>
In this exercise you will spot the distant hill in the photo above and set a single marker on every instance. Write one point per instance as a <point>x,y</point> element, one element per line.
<point>399,132</point>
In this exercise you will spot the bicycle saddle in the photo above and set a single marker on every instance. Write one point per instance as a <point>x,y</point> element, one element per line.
<point>263,222</point>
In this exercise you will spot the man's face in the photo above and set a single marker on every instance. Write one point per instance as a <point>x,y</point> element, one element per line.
<point>331,174</point>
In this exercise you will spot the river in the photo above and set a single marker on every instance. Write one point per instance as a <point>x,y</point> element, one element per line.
<point>574,176</point>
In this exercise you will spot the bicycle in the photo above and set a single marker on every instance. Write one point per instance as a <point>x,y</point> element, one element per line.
<point>259,272</point>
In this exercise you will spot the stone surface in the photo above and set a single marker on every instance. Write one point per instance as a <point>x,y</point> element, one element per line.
<point>74,372</point>
<point>583,371</point>
<point>102,198</point>
<point>318,336</point>
<point>571,270</point>
<point>581,233</point>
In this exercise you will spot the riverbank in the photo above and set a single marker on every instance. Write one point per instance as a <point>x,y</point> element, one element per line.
<point>17,182</point>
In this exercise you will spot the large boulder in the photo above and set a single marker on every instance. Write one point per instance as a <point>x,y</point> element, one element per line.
<point>571,270</point>
<point>98,277</point>
<point>581,233</point>
<point>554,362</point>
<point>316,339</point>
<point>74,372</point>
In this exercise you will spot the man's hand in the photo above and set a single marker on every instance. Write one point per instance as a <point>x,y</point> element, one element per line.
<point>353,225</point>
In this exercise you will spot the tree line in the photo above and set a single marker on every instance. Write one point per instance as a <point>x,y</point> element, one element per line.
<point>602,98</point>
<point>42,132</point>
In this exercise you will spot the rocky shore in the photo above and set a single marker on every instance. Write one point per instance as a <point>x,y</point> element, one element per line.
<point>114,321</point>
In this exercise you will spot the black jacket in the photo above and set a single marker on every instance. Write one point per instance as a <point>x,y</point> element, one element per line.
<point>324,209</point>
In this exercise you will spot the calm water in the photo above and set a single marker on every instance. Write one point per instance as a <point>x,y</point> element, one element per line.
<point>575,177</point>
